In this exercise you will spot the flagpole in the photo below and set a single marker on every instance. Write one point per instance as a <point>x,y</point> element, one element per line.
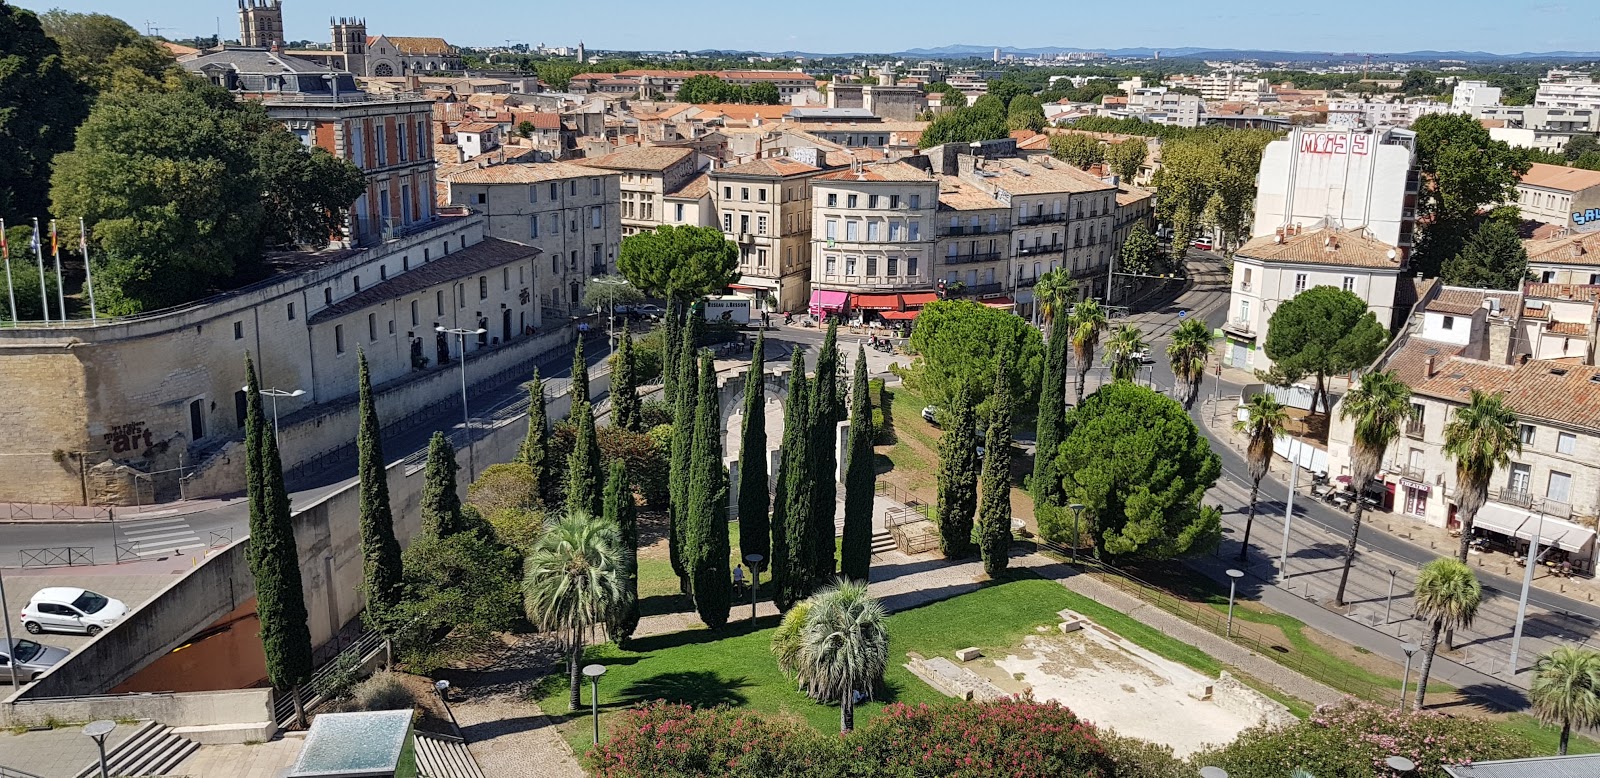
<point>88,278</point>
<point>38,255</point>
<point>5,256</point>
<point>61,294</point>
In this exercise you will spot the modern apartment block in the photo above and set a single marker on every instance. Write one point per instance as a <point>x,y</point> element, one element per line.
<point>571,213</point>
<point>764,206</point>
<point>1344,178</point>
<point>872,232</point>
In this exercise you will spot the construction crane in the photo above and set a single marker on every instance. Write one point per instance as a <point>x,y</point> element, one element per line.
<point>151,29</point>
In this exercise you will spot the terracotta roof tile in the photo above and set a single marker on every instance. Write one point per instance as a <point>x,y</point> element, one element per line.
<point>1571,249</point>
<point>1465,302</point>
<point>888,171</point>
<point>1569,327</point>
<point>489,253</point>
<point>1551,390</point>
<point>771,166</point>
<point>525,173</point>
<point>957,195</point>
<point>1562,291</point>
<point>651,158</point>
<point>1032,176</point>
<point>419,46</point>
<point>693,189</point>
<point>1327,246</point>
<point>1560,177</point>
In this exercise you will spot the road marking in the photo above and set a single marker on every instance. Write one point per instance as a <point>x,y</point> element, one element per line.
<point>161,537</point>
<point>165,536</point>
<point>166,551</point>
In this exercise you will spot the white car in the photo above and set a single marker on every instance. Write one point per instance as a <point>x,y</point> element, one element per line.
<point>68,609</point>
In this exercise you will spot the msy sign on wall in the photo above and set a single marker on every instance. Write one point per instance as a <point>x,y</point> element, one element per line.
<point>1335,143</point>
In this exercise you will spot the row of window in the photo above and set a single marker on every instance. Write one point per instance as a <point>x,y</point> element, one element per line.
<point>892,265</point>
<point>875,201</point>
<point>1301,280</point>
<point>358,130</point>
<point>875,230</point>
<point>596,221</point>
<point>416,307</point>
<point>596,188</point>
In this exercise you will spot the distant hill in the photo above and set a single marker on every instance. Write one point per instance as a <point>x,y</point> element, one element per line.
<point>964,50</point>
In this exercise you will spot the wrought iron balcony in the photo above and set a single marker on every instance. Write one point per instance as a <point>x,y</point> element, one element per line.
<point>1050,248</point>
<point>967,259</point>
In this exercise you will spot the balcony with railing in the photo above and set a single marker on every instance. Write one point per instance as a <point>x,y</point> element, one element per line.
<point>1512,496</point>
<point>1240,327</point>
<point>1413,428</point>
<point>1027,283</point>
<point>1407,471</point>
<point>971,229</point>
<point>967,259</point>
<point>1041,218</point>
<point>975,290</point>
<point>1049,248</point>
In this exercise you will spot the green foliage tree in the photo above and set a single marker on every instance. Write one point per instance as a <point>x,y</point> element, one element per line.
<point>1462,170</point>
<point>583,466</point>
<point>1447,596</point>
<point>1566,689</point>
<point>1141,253</point>
<point>1189,353</point>
<point>755,501</point>
<point>1493,258</point>
<point>951,96</point>
<point>1379,406</point>
<point>681,468</point>
<point>1054,293</point>
<point>503,496</point>
<point>605,295</point>
<point>844,646</point>
<point>305,191</point>
<point>1007,90</point>
<point>1579,145</point>
<point>994,515</point>
<point>572,581</point>
<point>534,451</point>
<point>24,281</point>
<point>382,572</point>
<point>108,55</point>
<point>977,122</point>
<point>958,477</point>
<point>705,538</point>
<point>441,503</point>
<point>626,407</point>
<point>1209,181</point>
<point>622,513</point>
<point>1263,423</point>
<point>460,591</point>
<point>1480,438</point>
<point>1050,422</point>
<point>580,374</point>
<point>860,479</point>
<point>1076,149</point>
<point>957,342</point>
<point>1124,353</point>
<point>824,423</point>
<point>704,88</point>
<point>1127,157</point>
<point>273,556</point>
<point>1141,468</point>
<point>41,103</point>
<point>792,557</point>
<point>1025,112</point>
<point>764,93</point>
<point>671,337</point>
<point>1323,331</point>
<point>679,262</point>
<point>1088,321</point>
<point>526,129</point>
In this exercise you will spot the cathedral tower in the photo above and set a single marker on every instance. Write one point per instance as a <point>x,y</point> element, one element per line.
<point>260,23</point>
<point>350,38</point>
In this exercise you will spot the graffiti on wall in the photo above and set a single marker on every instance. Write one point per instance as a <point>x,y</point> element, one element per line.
<point>132,436</point>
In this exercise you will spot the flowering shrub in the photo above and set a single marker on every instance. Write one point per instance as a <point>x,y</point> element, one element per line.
<point>666,740</point>
<point>1017,738</point>
<point>1351,738</point>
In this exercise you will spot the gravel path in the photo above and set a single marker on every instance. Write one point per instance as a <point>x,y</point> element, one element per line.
<point>511,738</point>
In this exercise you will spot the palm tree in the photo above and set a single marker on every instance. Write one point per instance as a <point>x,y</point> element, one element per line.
<point>1480,438</point>
<point>1566,689</point>
<point>844,647</point>
<point>1087,322</point>
<point>1264,422</point>
<point>573,581</point>
<point>1189,353</point>
<point>1124,352</point>
<point>1378,406</point>
<point>1448,594</point>
<point>1052,291</point>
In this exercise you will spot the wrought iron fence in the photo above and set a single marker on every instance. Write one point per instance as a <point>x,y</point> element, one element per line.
<point>314,692</point>
<point>57,556</point>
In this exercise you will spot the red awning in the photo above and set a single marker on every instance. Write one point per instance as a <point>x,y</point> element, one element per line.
<point>743,288</point>
<point>918,299</point>
<point>898,315</point>
<point>999,302</point>
<point>875,302</point>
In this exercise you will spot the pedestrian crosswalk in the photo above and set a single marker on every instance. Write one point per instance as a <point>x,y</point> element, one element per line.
<point>158,537</point>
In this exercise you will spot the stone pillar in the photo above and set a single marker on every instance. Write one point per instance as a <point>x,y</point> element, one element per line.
<point>774,460</point>
<point>841,448</point>
<point>733,488</point>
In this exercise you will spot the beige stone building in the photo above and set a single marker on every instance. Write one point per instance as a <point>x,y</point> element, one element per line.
<point>1559,195</point>
<point>872,232</point>
<point>1568,258</point>
<point>570,213</point>
<point>648,173</point>
<point>764,206</point>
<point>973,247</point>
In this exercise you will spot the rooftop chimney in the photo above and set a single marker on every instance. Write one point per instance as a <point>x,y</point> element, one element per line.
<point>1428,371</point>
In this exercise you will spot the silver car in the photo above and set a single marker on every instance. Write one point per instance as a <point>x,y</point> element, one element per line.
<point>32,660</point>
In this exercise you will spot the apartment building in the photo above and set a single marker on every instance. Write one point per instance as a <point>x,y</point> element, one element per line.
<point>644,83</point>
<point>764,206</point>
<point>1370,113</point>
<point>1564,196</point>
<point>1534,348</point>
<point>1468,95</point>
<point>872,232</point>
<point>1134,206</point>
<point>1156,104</point>
<point>1224,87</point>
<point>1273,269</point>
<point>570,213</point>
<point>973,247</point>
<point>1568,258</point>
<point>1343,178</point>
<point>1538,127</point>
<point>1570,92</point>
<point>648,174</point>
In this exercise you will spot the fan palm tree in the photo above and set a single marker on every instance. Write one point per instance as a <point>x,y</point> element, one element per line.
<point>573,581</point>
<point>1264,422</point>
<point>1053,291</point>
<point>1124,351</point>
<point>844,647</point>
<point>1087,322</point>
<point>1379,406</point>
<point>1448,595</point>
<point>1189,353</point>
<point>1566,689</point>
<point>1480,438</point>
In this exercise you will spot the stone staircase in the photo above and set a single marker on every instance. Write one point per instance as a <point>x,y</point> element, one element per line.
<point>881,540</point>
<point>444,756</point>
<point>153,749</point>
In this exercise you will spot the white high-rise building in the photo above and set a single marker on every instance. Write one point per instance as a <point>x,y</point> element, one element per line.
<point>1474,94</point>
<point>1346,178</point>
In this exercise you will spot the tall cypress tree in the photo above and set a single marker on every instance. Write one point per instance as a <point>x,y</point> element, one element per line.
<point>824,424</point>
<point>441,503</point>
<point>792,558</point>
<point>669,352</point>
<point>682,446</point>
<point>273,555</point>
<point>994,518</point>
<point>380,552</point>
<point>580,374</point>
<point>625,405</point>
<point>620,510</point>
<point>535,449</point>
<point>860,480</point>
<point>958,478</point>
<point>583,466</point>
<point>1051,422</point>
<point>706,535</point>
<point>754,498</point>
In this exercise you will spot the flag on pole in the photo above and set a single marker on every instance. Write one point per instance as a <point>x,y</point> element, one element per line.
<point>5,257</point>
<point>88,277</point>
<point>61,292</point>
<point>38,256</point>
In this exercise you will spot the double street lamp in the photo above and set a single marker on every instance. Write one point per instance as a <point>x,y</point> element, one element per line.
<point>611,321</point>
<point>466,415</point>
<point>275,394</point>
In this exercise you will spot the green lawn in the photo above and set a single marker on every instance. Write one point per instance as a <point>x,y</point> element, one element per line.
<point>1313,659</point>
<point>1546,739</point>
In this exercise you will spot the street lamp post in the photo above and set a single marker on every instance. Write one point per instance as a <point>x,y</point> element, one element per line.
<point>1388,601</point>
<point>754,560</point>
<point>275,394</point>
<point>11,645</point>
<point>593,672</point>
<point>1233,580</point>
<point>1077,535</point>
<point>466,415</point>
<point>1288,518</point>
<point>611,322</point>
<point>1527,583</point>
<point>100,730</point>
<point>1409,648</point>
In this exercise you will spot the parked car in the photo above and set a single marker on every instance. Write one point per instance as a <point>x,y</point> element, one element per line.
<point>930,414</point>
<point>1204,244</point>
<point>1144,357</point>
<point>32,659</point>
<point>69,609</point>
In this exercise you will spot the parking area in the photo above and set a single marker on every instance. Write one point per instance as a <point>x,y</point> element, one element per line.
<point>132,584</point>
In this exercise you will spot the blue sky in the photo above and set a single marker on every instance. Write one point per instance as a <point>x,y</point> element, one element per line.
<point>832,26</point>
